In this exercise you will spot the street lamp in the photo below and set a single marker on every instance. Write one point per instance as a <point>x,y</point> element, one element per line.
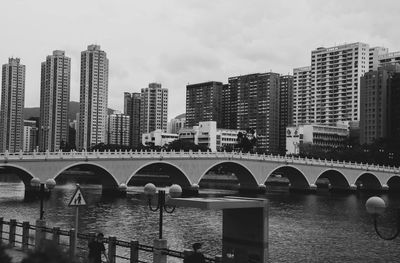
<point>376,206</point>
<point>50,184</point>
<point>150,191</point>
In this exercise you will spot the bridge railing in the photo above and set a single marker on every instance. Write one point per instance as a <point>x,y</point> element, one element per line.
<point>84,155</point>
<point>24,236</point>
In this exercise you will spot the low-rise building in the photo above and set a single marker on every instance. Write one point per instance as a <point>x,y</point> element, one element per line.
<point>318,135</point>
<point>158,138</point>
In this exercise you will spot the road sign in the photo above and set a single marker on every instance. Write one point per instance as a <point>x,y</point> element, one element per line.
<point>77,198</point>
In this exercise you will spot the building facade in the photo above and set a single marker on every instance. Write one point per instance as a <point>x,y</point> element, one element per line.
<point>177,123</point>
<point>303,96</point>
<point>154,108</point>
<point>389,58</point>
<point>324,136</point>
<point>394,107</point>
<point>285,109</point>
<point>30,136</point>
<point>374,55</point>
<point>12,106</point>
<point>203,103</point>
<point>374,100</point>
<point>54,102</point>
<point>132,106</point>
<point>158,138</point>
<point>93,97</point>
<point>118,129</point>
<point>253,102</point>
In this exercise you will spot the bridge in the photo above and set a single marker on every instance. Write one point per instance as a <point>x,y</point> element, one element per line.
<point>115,169</point>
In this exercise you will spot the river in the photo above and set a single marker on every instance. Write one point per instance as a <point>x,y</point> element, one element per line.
<point>321,227</point>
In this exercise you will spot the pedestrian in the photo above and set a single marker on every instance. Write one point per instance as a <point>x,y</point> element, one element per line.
<point>96,248</point>
<point>196,256</point>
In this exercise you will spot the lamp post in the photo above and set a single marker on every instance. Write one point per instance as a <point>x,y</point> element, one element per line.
<point>150,191</point>
<point>376,206</point>
<point>50,184</point>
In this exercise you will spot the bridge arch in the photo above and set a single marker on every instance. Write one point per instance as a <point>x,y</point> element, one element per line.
<point>242,173</point>
<point>336,179</point>
<point>394,183</point>
<point>295,176</point>
<point>368,181</point>
<point>179,178</point>
<point>106,179</point>
<point>24,175</point>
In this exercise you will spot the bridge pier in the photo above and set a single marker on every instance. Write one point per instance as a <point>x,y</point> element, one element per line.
<point>251,190</point>
<point>311,189</point>
<point>190,191</point>
<point>113,192</point>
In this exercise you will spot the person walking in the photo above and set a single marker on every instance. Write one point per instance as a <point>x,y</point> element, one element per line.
<point>196,256</point>
<point>96,248</point>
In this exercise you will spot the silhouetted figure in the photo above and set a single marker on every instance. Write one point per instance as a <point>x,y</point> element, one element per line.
<point>195,257</point>
<point>96,248</point>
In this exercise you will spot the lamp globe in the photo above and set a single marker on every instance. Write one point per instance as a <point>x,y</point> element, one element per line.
<point>375,205</point>
<point>35,182</point>
<point>150,189</point>
<point>175,190</point>
<point>50,183</point>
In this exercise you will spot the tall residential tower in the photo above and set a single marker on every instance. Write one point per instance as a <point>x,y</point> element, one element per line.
<point>93,97</point>
<point>54,102</point>
<point>154,108</point>
<point>132,102</point>
<point>12,106</point>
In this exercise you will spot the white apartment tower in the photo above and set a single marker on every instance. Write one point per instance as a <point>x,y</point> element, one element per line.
<point>54,101</point>
<point>303,96</point>
<point>12,106</point>
<point>93,97</point>
<point>154,108</point>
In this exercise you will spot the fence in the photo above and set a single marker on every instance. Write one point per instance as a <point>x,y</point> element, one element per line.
<point>20,236</point>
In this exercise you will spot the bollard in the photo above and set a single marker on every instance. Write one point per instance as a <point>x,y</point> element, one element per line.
<point>72,243</point>
<point>159,246</point>
<point>11,238</point>
<point>25,235</point>
<point>134,252</point>
<point>1,229</point>
<point>56,235</point>
<point>112,249</point>
<point>40,233</point>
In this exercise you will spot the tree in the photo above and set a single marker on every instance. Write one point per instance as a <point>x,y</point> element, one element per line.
<point>185,145</point>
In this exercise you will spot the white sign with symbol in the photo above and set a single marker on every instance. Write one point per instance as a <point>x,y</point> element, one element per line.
<point>77,199</point>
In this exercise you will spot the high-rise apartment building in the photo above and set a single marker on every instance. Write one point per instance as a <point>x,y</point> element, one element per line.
<point>132,102</point>
<point>12,106</point>
<point>394,107</point>
<point>177,123</point>
<point>203,103</point>
<point>93,97</point>
<point>374,54</point>
<point>285,109</point>
<point>389,58</point>
<point>30,136</point>
<point>303,96</point>
<point>118,129</point>
<point>256,106</point>
<point>54,102</point>
<point>229,106</point>
<point>154,108</point>
<point>378,103</point>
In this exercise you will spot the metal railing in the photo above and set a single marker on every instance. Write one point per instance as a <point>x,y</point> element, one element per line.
<point>95,155</point>
<point>18,235</point>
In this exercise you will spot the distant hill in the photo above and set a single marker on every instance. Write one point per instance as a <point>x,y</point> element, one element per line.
<point>73,110</point>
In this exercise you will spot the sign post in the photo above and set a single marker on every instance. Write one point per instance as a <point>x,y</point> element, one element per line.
<point>77,200</point>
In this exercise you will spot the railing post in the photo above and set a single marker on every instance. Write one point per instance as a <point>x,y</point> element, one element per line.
<point>1,229</point>
<point>40,233</point>
<point>13,226</point>
<point>25,236</point>
<point>112,249</point>
<point>72,243</point>
<point>134,251</point>
<point>159,246</point>
<point>56,235</point>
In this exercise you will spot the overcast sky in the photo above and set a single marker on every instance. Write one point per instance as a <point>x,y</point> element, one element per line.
<point>187,41</point>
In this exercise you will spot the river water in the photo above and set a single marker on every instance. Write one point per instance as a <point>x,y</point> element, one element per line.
<point>321,227</point>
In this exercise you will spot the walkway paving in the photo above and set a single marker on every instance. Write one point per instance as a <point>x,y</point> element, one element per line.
<point>16,255</point>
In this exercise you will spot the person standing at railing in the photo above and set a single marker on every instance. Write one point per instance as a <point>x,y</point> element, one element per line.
<point>96,248</point>
<point>196,256</point>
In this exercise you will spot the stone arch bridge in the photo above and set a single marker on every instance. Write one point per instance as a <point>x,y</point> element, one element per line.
<point>252,171</point>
